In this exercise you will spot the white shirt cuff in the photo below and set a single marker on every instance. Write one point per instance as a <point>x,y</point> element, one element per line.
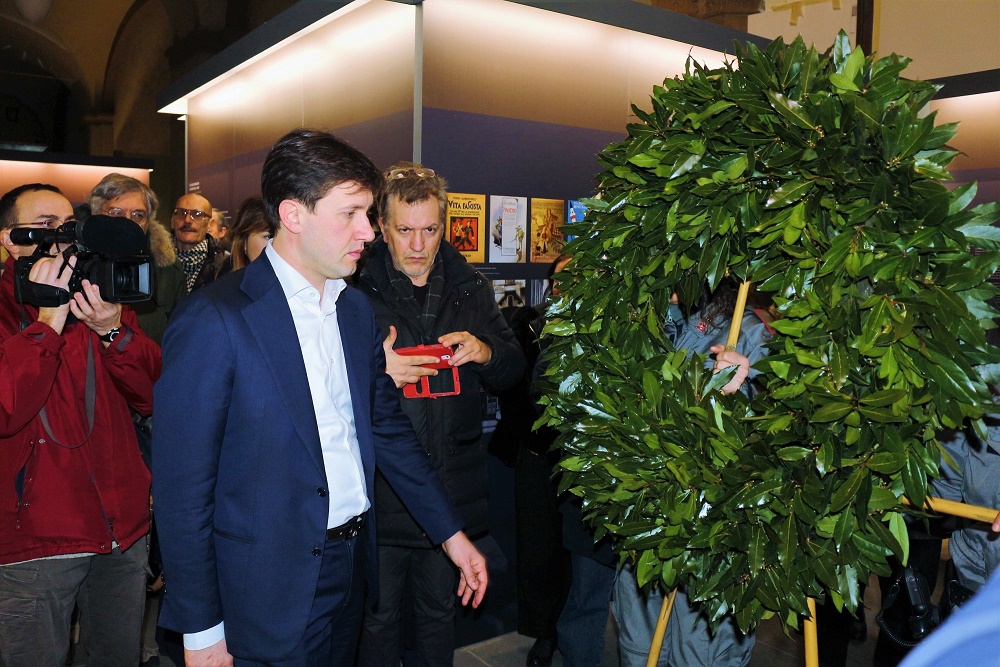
<point>199,640</point>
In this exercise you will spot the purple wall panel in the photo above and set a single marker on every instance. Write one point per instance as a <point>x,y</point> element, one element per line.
<point>228,182</point>
<point>215,183</point>
<point>495,155</point>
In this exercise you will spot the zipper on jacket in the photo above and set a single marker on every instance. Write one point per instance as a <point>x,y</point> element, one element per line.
<point>19,482</point>
<point>111,526</point>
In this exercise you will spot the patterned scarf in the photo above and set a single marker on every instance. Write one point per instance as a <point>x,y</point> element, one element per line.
<point>403,288</point>
<point>192,260</point>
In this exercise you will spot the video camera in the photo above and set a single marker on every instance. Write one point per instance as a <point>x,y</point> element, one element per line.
<point>109,253</point>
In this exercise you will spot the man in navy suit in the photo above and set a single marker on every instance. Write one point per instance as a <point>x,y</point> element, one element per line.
<point>270,416</point>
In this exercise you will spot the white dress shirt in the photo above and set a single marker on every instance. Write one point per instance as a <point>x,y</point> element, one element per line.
<point>315,318</point>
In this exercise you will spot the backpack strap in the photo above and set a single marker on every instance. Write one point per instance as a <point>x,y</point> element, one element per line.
<point>765,316</point>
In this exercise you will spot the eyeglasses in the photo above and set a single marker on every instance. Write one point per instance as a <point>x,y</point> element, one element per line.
<point>47,223</point>
<point>137,216</point>
<point>195,214</point>
<point>422,172</point>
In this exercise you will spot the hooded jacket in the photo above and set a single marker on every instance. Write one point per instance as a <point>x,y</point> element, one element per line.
<point>70,488</point>
<point>169,288</point>
<point>972,476</point>
<point>449,428</point>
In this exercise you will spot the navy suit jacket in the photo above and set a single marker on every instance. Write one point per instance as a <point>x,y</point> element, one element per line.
<point>238,476</point>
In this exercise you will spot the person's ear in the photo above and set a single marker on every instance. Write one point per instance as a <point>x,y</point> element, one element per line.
<point>8,245</point>
<point>288,212</point>
<point>381,225</point>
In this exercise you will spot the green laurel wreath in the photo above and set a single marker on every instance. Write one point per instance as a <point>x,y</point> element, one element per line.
<point>816,177</point>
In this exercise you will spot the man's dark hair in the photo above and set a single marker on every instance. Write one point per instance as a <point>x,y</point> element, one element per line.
<point>304,165</point>
<point>8,203</point>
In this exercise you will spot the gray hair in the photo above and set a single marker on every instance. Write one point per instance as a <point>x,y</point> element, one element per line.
<point>115,185</point>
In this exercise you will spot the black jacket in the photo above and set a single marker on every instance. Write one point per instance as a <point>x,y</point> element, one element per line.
<point>211,266</point>
<point>515,436</point>
<point>450,428</point>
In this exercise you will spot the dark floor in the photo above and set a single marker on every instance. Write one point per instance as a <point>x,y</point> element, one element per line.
<point>773,647</point>
<point>486,634</point>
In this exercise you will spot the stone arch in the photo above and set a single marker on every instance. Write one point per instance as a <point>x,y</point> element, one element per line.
<point>135,72</point>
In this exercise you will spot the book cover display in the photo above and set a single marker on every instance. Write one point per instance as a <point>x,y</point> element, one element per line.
<point>508,223</point>
<point>575,212</point>
<point>467,225</point>
<point>547,218</point>
<point>510,292</point>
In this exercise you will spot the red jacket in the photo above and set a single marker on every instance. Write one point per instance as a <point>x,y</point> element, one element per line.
<point>82,494</point>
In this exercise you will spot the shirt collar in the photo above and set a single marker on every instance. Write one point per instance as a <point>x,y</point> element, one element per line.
<point>293,283</point>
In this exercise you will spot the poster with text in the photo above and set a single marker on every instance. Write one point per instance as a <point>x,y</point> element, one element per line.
<point>547,218</point>
<point>508,228</point>
<point>467,225</point>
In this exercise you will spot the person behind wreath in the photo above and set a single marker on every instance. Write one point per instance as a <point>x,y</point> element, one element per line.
<point>74,495</point>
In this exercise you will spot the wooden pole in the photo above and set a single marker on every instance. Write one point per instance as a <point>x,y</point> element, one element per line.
<point>939,505</point>
<point>741,304</point>
<point>954,508</point>
<point>809,633</point>
<point>809,630</point>
<point>661,628</point>
<point>668,600</point>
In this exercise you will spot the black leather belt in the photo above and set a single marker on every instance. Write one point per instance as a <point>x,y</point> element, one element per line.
<point>351,528</point>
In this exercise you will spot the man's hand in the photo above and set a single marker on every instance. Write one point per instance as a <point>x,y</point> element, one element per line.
<point>403,369</point>
<point>95,312</point>
<point>46,272</point>
<point>467,348</point>
<point>996,524</point>
<point>471,564</point>
<point>215,655</point>
<point>724,359</point>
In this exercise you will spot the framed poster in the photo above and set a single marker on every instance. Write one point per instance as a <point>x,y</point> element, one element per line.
<point>547,218</point>
<point>508,224</point>
<point>467,225</point>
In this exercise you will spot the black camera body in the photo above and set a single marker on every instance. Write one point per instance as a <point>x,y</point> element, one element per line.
<point>109,253</point>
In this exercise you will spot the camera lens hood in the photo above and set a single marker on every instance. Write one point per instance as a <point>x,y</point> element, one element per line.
<point>110,236</point>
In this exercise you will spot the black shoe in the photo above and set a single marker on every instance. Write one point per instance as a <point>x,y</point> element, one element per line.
<point>541,652</point>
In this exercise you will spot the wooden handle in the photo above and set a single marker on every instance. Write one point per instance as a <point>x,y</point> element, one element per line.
<point>954,508</point>
<point>661,629</point>
<point>809,634</point>
<point>741,304</point>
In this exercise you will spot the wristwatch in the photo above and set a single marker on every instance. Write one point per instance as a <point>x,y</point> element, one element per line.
<point>111,335</point>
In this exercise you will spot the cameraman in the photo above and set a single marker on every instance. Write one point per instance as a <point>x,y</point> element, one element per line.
<point>74,492</point>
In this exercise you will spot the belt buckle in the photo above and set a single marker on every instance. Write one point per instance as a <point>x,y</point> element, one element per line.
<point>354,529</point>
